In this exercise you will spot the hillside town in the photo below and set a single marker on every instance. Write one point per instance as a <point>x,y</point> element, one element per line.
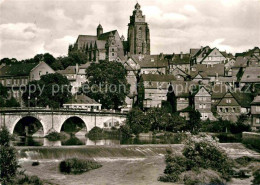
<point>216,83</point>
<point>125,108</point>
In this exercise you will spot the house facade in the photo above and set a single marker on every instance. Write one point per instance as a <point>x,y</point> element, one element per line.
<point>255,112</point>
<point>202,102</point>
<point>16,76</point>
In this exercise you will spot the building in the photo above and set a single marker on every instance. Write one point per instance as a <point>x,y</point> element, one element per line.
<point>251,75</point>
<point>138,41</point>
<point>110,46</point>
<point>211,71</point>
<point>202,102</point>
<point>76,75</point>
<point>181,61</point>
<point>255,112</point>
<point>155,89</point>
<point>151,64</point>
<point>228,108</point>
<point>16,76</point>
<point>82,102</point>
<point>206,55</point>
<point>103,46</point>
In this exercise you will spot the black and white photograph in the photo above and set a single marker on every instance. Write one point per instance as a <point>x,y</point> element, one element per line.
<point>129,92</point>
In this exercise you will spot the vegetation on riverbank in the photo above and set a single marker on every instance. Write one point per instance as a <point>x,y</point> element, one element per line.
<point>9,173</point>
<point>77,166</point>
<point>201,161</point>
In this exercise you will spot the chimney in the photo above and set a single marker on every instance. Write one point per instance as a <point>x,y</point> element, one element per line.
<point>181,56</point>
<point>161,56</point>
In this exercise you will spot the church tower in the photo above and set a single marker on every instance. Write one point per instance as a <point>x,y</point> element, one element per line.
<point>99,30</point>
<point>138,33</point>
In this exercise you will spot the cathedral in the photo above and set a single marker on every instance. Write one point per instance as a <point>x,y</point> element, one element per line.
<point>110,46</point>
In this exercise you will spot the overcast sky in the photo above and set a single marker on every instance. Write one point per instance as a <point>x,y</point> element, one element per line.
<point>29,27</point>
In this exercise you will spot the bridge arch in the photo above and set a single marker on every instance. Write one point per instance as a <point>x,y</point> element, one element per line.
<point>73,117</point>
<point>20,118</point>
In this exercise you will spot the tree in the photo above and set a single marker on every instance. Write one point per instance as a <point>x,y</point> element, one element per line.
<point>3,95</point>
<point>159,118</point>
<point>8,161</point>
<point>138,121</point>
<point>79,57</point>
<point>107,84</point>
<point>51,90</point>
<point>12,102</point>
<point>171,98</point>
<point>195,121</point>
<point>4,102</point>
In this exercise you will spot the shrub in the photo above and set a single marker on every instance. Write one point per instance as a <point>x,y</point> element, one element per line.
<point>229,138</point>
<point>27,180</point>
<point>256,175</point>
<point>252,143</point>
<point>95,132</point>
<point>199,155</point>
<point>36,163</point>
<point>8,160</point>
<point>126,131</point>
<point>245,160</point>
<point>78,166</point>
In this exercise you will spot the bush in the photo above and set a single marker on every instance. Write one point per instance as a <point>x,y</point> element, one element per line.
<point>36,163</point>
<point>252,143</point>
<point>8,160</point>
<point>95,132</point>
<point>78,166</point>
<point>245,160</point>
<point>26,180</point>
<point>199,155</point>
<point>229,138</point>
<point>256,175</point>
<point>126,131</point>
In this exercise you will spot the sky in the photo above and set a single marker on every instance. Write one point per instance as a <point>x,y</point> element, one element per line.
<point>30,27</point>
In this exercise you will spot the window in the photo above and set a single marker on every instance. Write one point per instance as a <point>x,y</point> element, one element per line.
<point>220,109</point>
<point>113,54</point>
<point>140,33</point>
<point>228,100</point>
<point>257,109</point>
<point>226,109</point>
<point>200,98</point>
<point>47,72</point>
<point>257,120</point>
<point>204,106</point>
<point>8,81</point>
<point>40,72</point>
<point>210,58</point>
<point>113,49</point>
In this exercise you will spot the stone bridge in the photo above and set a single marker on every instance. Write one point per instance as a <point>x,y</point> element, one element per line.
<point>52,120</point>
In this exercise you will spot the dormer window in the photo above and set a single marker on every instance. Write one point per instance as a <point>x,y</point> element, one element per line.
<point>228,100</point>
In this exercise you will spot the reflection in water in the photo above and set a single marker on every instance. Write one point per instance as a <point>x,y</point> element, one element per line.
<point>28,141</point>
<point>81,140</point>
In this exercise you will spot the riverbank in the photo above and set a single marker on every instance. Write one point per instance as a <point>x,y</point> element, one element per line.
<point>125,164</point>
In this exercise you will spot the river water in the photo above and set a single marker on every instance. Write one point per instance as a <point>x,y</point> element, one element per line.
<point>81,140</point>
